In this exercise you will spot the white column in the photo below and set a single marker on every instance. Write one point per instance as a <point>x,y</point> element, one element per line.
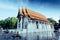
<point>34,27</point>
<point>29,27</point>
<point>18,25</point>
<point>49,30</point>
<point>40,26</point>
<point>45,29</point>
<point>21,24</point>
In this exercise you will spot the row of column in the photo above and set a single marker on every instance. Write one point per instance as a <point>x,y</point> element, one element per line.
<point>40,25</point>
<point>31,26</point>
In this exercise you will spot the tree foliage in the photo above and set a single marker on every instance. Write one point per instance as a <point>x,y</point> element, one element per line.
<point>9,23</point>
<point>52,21</point>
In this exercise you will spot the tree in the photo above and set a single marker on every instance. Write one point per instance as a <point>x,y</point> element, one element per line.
<point>9,23</point>
<point>52,21</point>
<point>59,24</point>
<point>13,21</point>
<point>2,23</point>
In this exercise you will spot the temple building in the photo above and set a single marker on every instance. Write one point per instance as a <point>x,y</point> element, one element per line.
<point>30,21</point>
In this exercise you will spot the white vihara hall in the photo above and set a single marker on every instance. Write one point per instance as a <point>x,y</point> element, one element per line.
<point>33,22</point>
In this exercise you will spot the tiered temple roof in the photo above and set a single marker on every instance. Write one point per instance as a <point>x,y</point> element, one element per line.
<point>31,14</point>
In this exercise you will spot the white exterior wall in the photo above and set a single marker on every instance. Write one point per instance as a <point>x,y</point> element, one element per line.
<point>43,29</point>
<point>31,26</point>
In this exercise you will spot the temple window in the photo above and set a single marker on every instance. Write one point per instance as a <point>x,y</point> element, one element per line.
<point>23,23</point>
<point>26,25</point>
<point>37,24</point>
<point>29,21</point>
<point>33,21</point>
<point>19,23</point>
<point>19,20</point>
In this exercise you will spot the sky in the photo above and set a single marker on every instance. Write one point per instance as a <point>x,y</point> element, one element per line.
<point>49,8</point>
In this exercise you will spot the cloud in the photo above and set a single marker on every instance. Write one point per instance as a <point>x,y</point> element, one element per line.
<point>56,18</point>
<point>7,6</point>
